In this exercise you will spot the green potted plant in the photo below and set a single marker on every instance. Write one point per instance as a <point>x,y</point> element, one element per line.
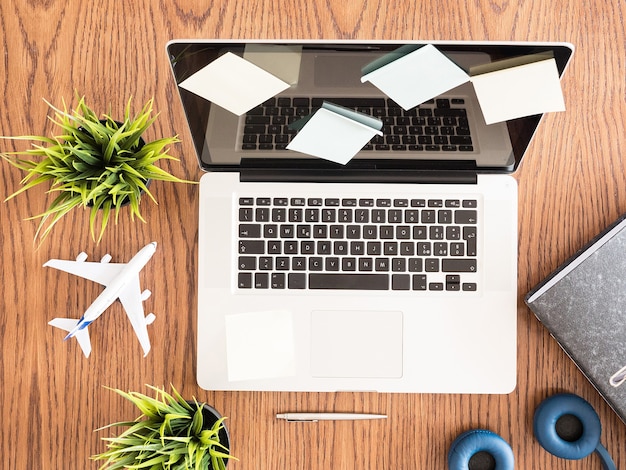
<point>171,433</point>
<point>95,162</point>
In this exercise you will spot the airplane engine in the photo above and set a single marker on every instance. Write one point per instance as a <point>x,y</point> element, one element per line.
<point>82,256</point>
<point>106,258</point>
<point>146,294</point>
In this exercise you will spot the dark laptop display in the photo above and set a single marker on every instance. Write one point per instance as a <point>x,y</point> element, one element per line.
<point>442,133</point>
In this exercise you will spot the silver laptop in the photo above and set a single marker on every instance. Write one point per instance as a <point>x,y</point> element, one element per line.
<point>396,272</point>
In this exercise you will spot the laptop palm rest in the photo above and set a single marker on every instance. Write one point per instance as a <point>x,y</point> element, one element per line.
<point>356,344</point>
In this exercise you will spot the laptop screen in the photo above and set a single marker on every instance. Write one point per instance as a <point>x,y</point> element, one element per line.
<point>448,131</point>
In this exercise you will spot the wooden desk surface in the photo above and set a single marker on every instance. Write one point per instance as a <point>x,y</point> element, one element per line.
<point>571,185</point>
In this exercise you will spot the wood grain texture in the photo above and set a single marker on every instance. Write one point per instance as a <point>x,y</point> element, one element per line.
<point>571,185</point>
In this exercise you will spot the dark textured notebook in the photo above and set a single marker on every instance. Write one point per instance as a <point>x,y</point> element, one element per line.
<point>583,306</point>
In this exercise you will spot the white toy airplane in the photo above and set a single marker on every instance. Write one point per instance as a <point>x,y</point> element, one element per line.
<point>121,281</point>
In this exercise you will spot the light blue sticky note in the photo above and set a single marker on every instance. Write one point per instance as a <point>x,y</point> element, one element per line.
<point>519,91</point>
<point>335,133</point>
<point>411,76</point>
<point>234,83</point>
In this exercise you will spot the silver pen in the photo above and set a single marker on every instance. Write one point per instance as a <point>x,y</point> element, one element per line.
<point>315,417</point>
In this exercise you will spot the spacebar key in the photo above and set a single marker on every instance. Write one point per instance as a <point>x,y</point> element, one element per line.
<point>349,281</point>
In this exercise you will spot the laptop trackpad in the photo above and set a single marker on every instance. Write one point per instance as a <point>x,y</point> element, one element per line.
<point>356,344</point>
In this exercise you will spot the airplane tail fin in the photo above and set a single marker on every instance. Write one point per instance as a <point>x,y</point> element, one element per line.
<point>82,336</point>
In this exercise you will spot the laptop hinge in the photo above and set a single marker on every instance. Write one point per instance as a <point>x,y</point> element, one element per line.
<point>279,175</point>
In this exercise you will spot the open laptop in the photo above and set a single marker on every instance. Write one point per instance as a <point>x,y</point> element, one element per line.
<point>396,272</point>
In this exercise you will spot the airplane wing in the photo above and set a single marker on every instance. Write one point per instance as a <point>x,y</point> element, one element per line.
<point>102,273</point>
<point>130,297</point>
<point>82,336</point>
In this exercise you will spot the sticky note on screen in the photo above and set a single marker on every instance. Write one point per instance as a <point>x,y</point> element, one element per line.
<point>334,133</point>
<point>510,92</point>
<point>234,83</point>
<point>414,74</point>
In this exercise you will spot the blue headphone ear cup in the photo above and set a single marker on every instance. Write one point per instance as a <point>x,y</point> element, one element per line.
<point>548,413</point>
<point>472,442</point>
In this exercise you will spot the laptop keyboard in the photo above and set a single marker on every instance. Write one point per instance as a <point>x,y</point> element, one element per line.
<point>437,125</point>
<point>362,244</point>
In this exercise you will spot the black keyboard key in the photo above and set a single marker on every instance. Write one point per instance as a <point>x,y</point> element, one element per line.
<point>262,214</point>
<point>348,264</point>
<point>431,265</point>
<point>247,263</point>
<point>283,263</point>
<point>467,217</point>
<point>381,264</point>
<point>366,264</point>
<point>251,247</point>
<point>301,102</point>
<point>266,263</point>
<point>258,120</point>
<point>401,282</point>
<point>278,281</point>
<point>254,129</point>
<point>296,280</point>
<point>298,263</point>
<point>261,281</point>
<point>329,215</point>
<point>458,265</point>
<point>245,280</point>
<point>274,247</point>
<point>453,282</point>
<point>250,230</point>
<point>349,281</point>
<point>246,214</point>
<point>316,263</point>
<point>419,282</point>
<point>279,215</point>
<point>469,235</point>
<point>460,140</point>
<point>332,263</point>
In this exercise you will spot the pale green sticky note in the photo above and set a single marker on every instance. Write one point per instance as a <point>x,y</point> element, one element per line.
<point>412,76</point>
<point>335,133</point>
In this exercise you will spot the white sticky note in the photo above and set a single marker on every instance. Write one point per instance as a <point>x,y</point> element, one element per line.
<point>260,345</point>
<point>519,91</point>
<point>335,133</point>
<point>282,61</point>
<point>234,83</point>
<point>416,77</point>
